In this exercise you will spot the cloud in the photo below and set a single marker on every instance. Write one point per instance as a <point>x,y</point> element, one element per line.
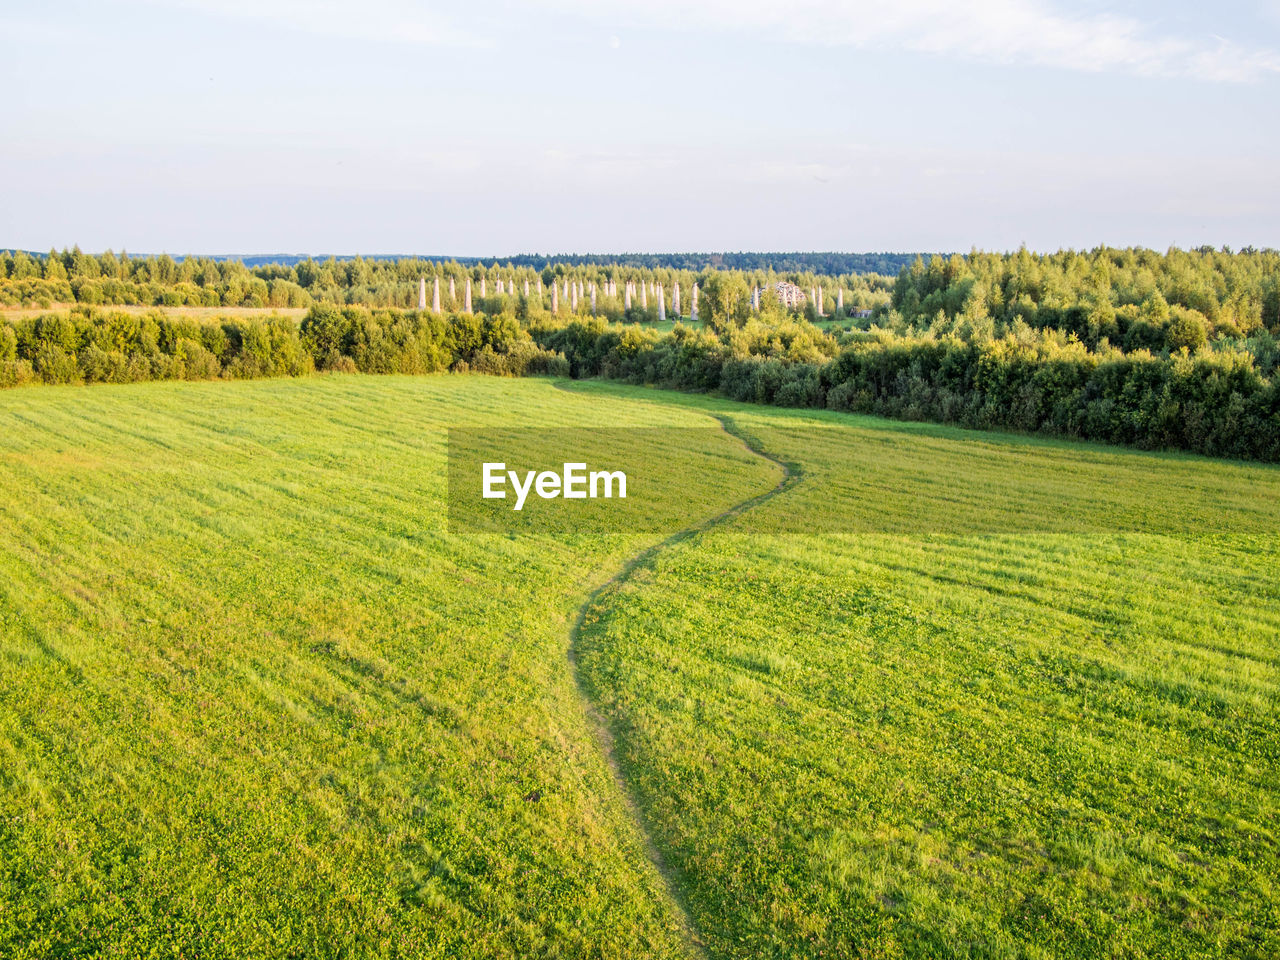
<point>1027,32</point>
<point>994,31</point>
<point>391,21</point>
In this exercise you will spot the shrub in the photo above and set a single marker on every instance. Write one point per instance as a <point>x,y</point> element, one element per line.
<point>198,362</point>
<point>14,373</point>
<point>53,364</point>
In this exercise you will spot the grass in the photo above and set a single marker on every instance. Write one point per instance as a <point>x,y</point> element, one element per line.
<point>1019,743</point>
<point>255,701</point>
<point>945,694</point>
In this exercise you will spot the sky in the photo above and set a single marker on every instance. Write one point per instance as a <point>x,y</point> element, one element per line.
<point>554,126</point>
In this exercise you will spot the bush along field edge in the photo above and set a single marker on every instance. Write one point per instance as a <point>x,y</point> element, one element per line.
<point>1214,401</point>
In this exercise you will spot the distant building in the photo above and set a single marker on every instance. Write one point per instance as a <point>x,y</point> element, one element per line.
<point>789,295</point>
<point>860,313</point>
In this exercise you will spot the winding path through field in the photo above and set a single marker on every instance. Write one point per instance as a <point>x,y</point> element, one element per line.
<point>792,473</point>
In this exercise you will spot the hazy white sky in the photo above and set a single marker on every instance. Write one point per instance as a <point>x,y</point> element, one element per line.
<point>490,128</point>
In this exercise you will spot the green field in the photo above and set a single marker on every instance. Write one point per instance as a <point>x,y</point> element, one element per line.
<point>1002,697</point>
<point>990,744</point>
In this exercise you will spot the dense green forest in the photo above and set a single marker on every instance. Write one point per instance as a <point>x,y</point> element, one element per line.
<point>1134,299</point>
<point>1175,350</point>
<point>827,264</point>
<point>1126,346</point>
<point>73,276</point>
<point>831,263</point>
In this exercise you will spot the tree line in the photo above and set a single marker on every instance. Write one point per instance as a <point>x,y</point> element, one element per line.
<point>1218,403</point>
<point>1131,299</point>
<point>105,346</point>
<point>109,279</point>
<point>831,264</point>
<point>1222,402</point>
<point>1176,350</point>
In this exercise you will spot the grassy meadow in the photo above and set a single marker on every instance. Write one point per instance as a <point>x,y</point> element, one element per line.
<point>942,694</point>
<point>911,733</point>
<point>255,702</point>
